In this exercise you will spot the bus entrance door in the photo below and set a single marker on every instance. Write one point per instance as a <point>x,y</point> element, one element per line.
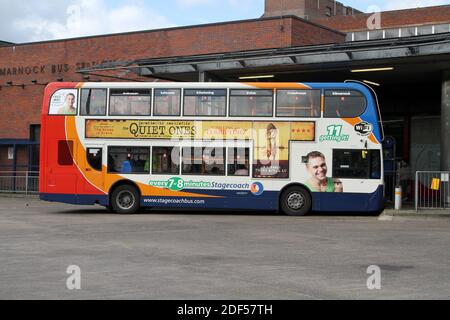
<point>94,169</point>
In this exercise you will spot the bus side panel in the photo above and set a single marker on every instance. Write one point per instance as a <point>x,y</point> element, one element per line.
<point>350,202</point>
<point>228,199</point>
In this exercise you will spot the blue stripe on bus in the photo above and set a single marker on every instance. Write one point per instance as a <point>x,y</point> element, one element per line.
<point>322,201</point>
<point>351,202</point>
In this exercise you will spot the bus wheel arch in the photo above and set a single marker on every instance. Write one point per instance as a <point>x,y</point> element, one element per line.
<point>125,197</point>
<point>295,199</point>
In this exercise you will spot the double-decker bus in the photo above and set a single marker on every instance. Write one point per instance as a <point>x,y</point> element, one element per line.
<point>292,147</point>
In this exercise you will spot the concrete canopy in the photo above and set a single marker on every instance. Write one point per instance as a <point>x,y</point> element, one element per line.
<point>333,62</point>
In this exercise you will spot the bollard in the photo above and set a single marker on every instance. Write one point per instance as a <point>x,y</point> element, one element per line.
<point>398,198</point>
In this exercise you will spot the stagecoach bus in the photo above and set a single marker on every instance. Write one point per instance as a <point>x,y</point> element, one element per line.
<point>289,147</point>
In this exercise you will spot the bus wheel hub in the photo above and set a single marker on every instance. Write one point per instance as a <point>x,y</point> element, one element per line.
<point>125,200</point>
<point>295,201</point>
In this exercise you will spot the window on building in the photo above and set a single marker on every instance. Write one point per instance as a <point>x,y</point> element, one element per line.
<point>360,36</point>
<point>167,102</point>
<point>203,161</point>
<point>94,158</point>
<point>424,30</point>
<point>128,159</point>
<point>442,28</point>
<point>408,32</point>
<point>65,152</point>
<point>298,103</point>
<point>344,104</point>
<point>35,132</point>
<point>205,102</point>
<point>328,11</point>
<point>93,102</point>
<point>376,34</point>
<point>251,103</point>
<point>165,160</point>
<point>356,164</point>
<point>130,102</point>
<point>238,161</point>
<point>392,33</point>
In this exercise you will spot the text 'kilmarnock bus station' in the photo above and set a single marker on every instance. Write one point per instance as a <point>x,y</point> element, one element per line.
<point>403,55</point>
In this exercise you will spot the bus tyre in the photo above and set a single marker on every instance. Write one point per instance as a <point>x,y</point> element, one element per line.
<point>296,201</point>
<point>125,199</point>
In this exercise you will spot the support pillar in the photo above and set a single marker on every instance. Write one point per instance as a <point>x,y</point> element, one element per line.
<point>445,122</point>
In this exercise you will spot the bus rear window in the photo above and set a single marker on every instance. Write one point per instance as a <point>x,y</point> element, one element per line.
<point>344,104</point>
<point>65,151</point>
<point>130,102</point>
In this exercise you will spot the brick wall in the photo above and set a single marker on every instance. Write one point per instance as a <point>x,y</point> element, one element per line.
<point>304,36</point>
<point>313,9</point>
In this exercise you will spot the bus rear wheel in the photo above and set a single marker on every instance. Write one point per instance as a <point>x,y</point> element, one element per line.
<point>296,201</point>
<point>125,199</point>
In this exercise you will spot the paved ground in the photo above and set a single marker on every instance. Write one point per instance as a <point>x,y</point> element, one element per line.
<point>189,255</point>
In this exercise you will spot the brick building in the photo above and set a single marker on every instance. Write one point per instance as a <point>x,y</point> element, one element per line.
<point>295,40</point>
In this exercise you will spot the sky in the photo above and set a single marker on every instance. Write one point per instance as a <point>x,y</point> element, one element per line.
<point>24,21</point>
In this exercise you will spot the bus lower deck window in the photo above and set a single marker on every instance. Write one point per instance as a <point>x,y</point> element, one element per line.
<point>165,160</point>
<point>238,161</point>
<point>128,159</point>
<point>203,161</point>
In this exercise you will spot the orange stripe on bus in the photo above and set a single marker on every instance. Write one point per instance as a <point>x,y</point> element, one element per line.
<point>277,85</point>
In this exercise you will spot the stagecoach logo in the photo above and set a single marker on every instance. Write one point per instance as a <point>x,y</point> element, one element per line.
<point>257,188</point>
<point>178,184</point>
<point>363,128</point>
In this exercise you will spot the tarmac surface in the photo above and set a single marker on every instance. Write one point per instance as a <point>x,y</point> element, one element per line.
<point>218,255</point>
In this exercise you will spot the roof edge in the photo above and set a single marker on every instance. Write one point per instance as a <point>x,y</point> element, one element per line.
<point>172,29</point>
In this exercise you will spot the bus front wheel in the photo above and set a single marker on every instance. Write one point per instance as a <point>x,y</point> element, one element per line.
<point>296,201</point>
<point>125,199</point>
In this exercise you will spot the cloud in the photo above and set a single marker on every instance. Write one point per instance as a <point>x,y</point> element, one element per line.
<point>32,21</point>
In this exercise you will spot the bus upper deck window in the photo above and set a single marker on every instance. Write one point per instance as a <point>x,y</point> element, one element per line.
<point>205,102</point>
<point>344,104</point>
<point>298,103</point>
<point>93,102</point>
<point>167,102</point>
<point>130,102</point>
<point>251,103</point>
